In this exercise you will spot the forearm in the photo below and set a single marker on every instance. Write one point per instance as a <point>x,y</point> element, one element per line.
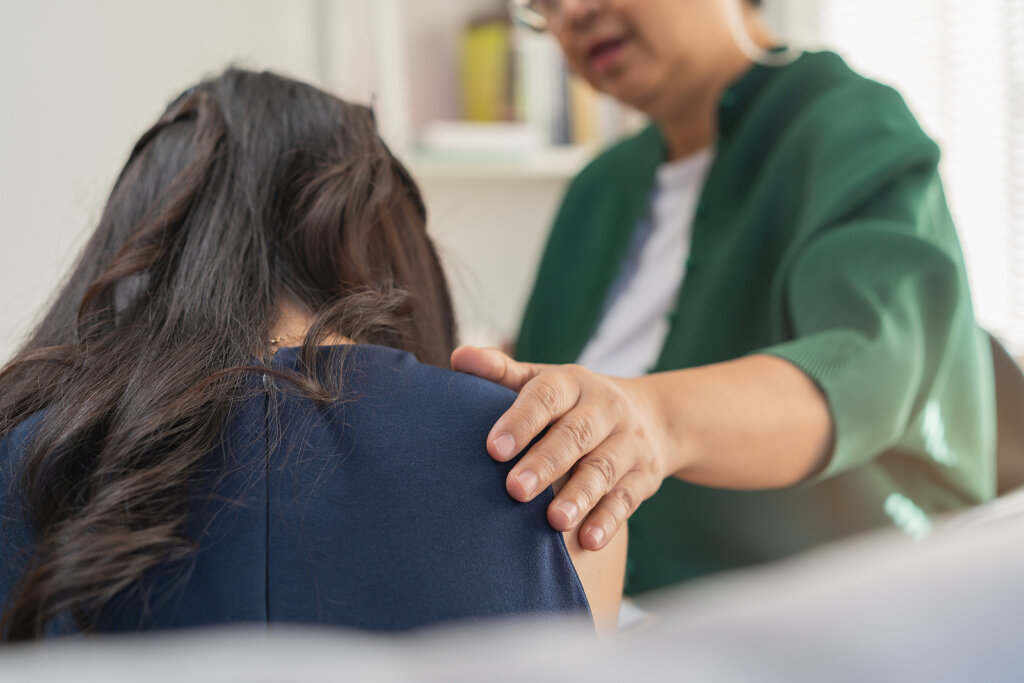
<point>754,423</point>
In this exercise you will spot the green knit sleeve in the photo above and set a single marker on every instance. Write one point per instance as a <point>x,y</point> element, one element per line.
<point>880,318</point>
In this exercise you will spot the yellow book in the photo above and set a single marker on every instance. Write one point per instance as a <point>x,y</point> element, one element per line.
<point>585,126</point>
<point>486,71</point>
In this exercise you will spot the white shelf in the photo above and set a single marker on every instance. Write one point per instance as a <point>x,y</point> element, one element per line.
<point>551,163</point>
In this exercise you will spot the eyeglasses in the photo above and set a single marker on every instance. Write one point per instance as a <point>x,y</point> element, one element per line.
<point>541,15</point>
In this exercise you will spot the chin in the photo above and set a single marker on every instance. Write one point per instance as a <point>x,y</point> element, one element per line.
<point>630,94</point>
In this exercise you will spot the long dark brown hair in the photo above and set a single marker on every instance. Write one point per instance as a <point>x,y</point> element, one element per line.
<point>251,190</point>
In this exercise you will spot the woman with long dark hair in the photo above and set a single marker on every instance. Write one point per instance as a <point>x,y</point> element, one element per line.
<point>190,436</point>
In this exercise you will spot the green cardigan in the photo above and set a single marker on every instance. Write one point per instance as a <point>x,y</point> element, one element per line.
<point>822,236</point>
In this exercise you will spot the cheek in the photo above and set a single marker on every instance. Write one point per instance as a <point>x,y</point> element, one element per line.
<point>652,58</point>
<point>678,31</point>
<point>571,55</point>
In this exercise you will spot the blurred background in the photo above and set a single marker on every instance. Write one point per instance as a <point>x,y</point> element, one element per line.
<point>483,113</point>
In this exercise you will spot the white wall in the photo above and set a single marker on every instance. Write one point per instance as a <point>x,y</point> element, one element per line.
<point>80,80</point>
<point>490,234</point>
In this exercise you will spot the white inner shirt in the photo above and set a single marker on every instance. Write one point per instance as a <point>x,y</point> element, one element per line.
<point>634,322</point>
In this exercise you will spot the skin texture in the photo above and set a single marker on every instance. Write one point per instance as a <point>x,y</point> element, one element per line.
<point>753,423</point>
<point>292,324</point>
<point>602,574</point>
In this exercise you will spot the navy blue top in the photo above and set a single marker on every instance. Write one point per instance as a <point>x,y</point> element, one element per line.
<point>380,511</point>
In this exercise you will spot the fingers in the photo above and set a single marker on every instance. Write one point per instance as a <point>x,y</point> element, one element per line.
<point>613,510</point>
<point>543,400</point>
<point>596,426</point>
<point>595,475</point>
<point>494,366</point>
<point>577,432</point>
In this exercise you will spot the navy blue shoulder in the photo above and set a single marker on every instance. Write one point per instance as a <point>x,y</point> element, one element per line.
<point>16,535</point>
<point>397,484</point>
<point>381,510</point>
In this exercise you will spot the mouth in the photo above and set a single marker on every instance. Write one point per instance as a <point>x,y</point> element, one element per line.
<point>603,53</point>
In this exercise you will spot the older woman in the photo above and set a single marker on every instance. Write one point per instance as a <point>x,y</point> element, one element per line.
<point>764,296</point>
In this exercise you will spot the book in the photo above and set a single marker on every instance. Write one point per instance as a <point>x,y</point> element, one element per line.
<point>486,70</point>
<point>542,88</point>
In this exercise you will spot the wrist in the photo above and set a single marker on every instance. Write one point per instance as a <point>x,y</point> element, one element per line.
<point>663,421</point>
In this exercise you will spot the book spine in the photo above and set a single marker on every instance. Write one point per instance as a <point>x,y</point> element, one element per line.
<point>486,72</point>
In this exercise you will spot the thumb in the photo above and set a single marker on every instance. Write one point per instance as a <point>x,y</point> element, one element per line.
<point>495,366</point>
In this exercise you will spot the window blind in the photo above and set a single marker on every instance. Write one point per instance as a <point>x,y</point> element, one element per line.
<point>960,66</point>
<point>1013,39</point>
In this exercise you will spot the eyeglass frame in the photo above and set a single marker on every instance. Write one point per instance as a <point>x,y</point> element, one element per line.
<point>531,18</point>
<point>534,19</point>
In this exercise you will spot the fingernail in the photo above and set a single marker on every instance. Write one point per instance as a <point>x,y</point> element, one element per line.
<point>569,509</point>
<point>527,481</point>
<point>596,535</point>
<point>505,445</point>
